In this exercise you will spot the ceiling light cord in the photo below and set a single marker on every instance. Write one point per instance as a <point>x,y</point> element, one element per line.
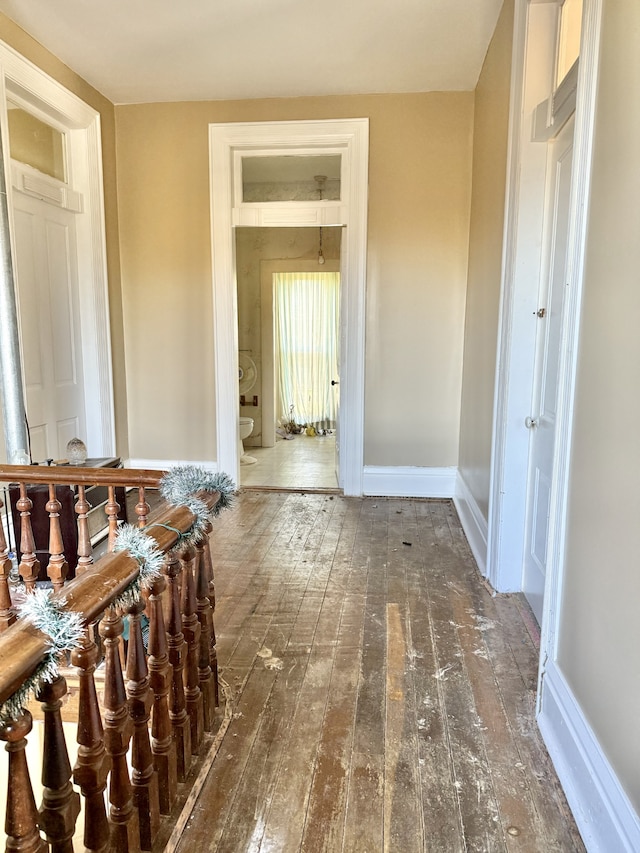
<point>320,180</point>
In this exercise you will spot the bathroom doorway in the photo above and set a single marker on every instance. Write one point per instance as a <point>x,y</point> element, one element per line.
<point>297,459</point>
<point>231,144</point>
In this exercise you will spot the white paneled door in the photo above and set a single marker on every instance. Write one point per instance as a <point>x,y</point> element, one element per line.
<point>47,284</point>
<point>542,420</point>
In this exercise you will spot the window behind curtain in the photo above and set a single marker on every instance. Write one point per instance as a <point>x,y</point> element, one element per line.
<point>306,326</point>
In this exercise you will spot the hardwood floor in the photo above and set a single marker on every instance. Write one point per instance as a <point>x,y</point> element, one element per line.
<point>381,699</point>
<point>301,462</point>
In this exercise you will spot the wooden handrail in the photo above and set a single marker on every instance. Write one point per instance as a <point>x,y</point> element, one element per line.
<point>22,646</point>
<point>137,736</point>
<point>74,475</point>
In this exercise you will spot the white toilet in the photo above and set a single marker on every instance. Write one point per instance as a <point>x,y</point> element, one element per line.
<point>247,376</point>
<point>244,431</point>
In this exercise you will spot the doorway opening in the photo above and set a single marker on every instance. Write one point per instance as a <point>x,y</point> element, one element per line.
<point>306,324</point>
<point>304,457</point>
<point>231,144</point>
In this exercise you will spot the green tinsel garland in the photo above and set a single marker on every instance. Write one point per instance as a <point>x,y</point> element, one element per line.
<point>64,630</point>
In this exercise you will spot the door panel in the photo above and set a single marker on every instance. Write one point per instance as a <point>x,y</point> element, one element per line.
<point>47,286</point>
<point>548,350</point>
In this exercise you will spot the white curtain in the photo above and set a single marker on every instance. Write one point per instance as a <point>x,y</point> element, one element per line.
<point>306,336</point>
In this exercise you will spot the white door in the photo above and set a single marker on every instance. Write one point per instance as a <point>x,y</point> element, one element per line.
<point>542,420</point>
<point>47,288</point>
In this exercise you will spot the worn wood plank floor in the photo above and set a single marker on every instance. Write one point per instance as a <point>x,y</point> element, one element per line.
<point>382,699</point>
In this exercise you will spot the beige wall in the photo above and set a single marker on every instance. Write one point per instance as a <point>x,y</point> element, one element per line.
<point>32,50</point>
<point>420,166</point>
<point>600,629</point>
<point>485,260</point>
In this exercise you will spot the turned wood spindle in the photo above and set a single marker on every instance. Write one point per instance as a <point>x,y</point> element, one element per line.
<point>144,778</point>
<point>60,803</point>
<point>207,565</point>
<point>85,553</point>
<point>205,618</point>
<point>21,822</point>
<point>162,743</point>
<point>123,816</point>
<point>180,721</point>
<point>142,507</point>
<point>92,764</point>
<point>112,508</point>
<point>191,631</point>
<point>58,567</point>
<point>29,564</point>
<point>7,612</point>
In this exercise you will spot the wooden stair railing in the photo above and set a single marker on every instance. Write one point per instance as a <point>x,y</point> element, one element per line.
<point>155,713</point>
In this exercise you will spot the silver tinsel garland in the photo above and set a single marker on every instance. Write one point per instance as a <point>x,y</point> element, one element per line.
<point>180,486</point>
<point>143,549</point>
<point>64,629</point>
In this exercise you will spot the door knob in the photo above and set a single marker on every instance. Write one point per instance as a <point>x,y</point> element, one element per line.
<point>335,381</point>
<point>530,422</point>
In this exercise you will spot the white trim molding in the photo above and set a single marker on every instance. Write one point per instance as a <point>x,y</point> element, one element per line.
<point>27,83</point>
<point>350,138</point>
<point>473,522</point>
<point>409,481</point>
<point>604,815</point>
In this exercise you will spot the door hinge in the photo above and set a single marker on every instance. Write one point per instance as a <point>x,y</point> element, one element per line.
<point>541,312</point>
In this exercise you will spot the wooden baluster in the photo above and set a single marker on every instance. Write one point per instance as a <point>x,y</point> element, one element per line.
<point>112,508</point>
<point>191,630</point>
<point>144,778</point>
<point>7,613</point>
<point>123,816</point>
<point>205,618</point>
<point>177,712</point>
<point>162,745</point>
<point>29,565</point>
<point>21,822</point>
<point>142,507</point>
<point>58,567</point>
<point>92,765</point>
<point>85,553</point>
<point>208,572</point>
<point>60,804</point>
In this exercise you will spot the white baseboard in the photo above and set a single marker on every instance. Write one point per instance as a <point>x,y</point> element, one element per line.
<point>473,522</point>
<point>166,464</point>
<point>604,815</point>
<point>409,482</point>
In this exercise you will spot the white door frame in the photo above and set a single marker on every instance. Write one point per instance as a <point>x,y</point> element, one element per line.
<point>351,139</point>
<point>81,125</point>
<point>533,47</point>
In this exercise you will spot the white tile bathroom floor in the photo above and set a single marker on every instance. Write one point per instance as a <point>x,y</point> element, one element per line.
<point>299,463</point>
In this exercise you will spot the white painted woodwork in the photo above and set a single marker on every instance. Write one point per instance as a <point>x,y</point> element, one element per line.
<point>286,214</point>
<point>36,92</point>
<point>350,138</point>
<point>535,32</point>
<point>47,290</point>
<point>544,405</point>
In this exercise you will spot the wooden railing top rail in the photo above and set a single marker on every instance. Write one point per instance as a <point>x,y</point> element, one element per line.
<point>75,475</point>
<point>22,646</point>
